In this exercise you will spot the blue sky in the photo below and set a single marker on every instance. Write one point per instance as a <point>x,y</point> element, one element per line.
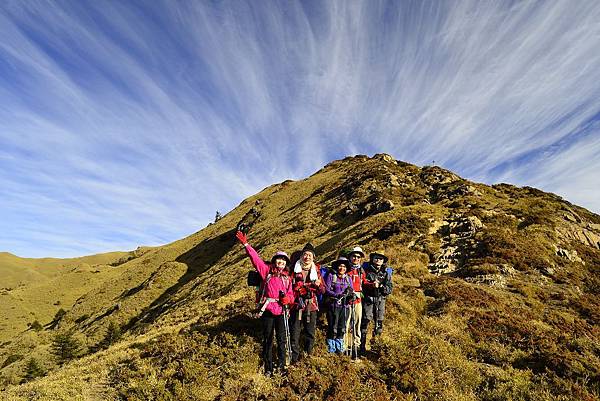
<point>127,123</point>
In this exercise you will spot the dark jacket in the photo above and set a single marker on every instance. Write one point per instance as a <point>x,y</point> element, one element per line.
<point>371,274</point>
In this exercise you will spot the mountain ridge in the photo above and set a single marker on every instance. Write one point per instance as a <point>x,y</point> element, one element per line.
<point>452,242</point>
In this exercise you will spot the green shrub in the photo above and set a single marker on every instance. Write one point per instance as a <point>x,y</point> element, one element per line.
<point>112,335</point>
<point>36,326</point>
<point>33,370</point>
<point>65,346</point>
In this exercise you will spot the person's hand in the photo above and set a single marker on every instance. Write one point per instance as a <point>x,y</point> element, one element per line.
<point>284,299</point>
<point>376,283</point>
<point>241,237</point>
<point>318,281</point>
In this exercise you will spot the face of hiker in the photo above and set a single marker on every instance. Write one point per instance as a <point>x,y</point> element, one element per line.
<point>378,261</point>
<point>280,264</point>
<point>341,269</point>
<point>307,257</point>
<point>355,259</point>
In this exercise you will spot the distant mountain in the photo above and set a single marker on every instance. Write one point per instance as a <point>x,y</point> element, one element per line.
<point>35,289</point>
<point>496,298</point>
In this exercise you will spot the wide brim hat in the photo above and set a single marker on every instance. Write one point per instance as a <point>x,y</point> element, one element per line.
<point>378,253</point>
<point>341,261</point>
<point>358,250</point>
<point>281,255</point>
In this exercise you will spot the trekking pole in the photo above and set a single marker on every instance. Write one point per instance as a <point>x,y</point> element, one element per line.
<point>288,343</point>
<point>353,350</point>
<point>375,311</point>
<point>351,327</point>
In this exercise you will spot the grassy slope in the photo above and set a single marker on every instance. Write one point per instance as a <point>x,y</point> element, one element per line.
<point>34,289</point>
<point>533,336</point>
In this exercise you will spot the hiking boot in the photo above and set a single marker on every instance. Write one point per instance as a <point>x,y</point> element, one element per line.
<point>379,328</point>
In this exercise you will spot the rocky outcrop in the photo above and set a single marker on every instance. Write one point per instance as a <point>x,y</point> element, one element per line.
<point>571,255</point>
<point>378,206</point>
<point>572,231</point>
<point>433,175</point>
<point>250,217</point>
<point>498,280</point>
<point>459,191</point>
<point>458,243</point>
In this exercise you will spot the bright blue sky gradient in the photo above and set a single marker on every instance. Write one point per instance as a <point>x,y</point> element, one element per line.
<point>130,123</point>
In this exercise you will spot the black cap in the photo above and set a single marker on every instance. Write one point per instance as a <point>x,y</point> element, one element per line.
<point>341,261</point>
<point>310,248</point>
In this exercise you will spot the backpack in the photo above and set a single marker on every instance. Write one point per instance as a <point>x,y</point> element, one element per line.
<point>254,279</point>
<point>389,272</point>
<point>325,271</point>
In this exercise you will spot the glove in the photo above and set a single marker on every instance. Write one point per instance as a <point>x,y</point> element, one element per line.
<point>241,237</point>
<point>284,299</point>
<point>302,291</point>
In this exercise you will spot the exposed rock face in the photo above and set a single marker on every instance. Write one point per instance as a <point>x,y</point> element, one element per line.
<point>571,255</point>
<point>250,217</point>
<point>575,232</point>
<point>433,175</point>
<point>458,243</point>
<point>384,157</point>
<point>498,280</point>
<point>461,190</point>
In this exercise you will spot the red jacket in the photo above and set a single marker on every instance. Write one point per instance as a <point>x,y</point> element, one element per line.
<point>356,275</point>
<point>306,291</point>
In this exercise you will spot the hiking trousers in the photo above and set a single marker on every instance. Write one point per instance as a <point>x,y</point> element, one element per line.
<point>308,322</point>
<point>356,310</point>
<point>373,310</point>
<point>270,324</point>
<point>336,328</point>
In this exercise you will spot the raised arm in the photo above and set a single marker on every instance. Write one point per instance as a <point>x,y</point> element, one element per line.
<point>261,267</point>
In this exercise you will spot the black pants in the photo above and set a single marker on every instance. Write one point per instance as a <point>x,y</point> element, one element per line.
<point>309,323</point>
<point>270,324</point>
<point>372,309</point>
<point>337,322</point>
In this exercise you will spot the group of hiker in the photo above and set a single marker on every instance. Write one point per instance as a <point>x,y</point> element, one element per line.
<point>352,293</point>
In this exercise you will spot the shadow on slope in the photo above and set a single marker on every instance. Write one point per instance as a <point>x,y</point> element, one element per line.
<point>199,259</point>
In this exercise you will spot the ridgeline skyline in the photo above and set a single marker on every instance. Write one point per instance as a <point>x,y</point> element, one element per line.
<point>131,123</point>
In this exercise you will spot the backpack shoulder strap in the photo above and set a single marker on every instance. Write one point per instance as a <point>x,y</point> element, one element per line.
<point>286,281</point>
<point>264,286</point>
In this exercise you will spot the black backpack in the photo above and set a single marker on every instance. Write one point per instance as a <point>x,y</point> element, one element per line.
<point>254,279</point>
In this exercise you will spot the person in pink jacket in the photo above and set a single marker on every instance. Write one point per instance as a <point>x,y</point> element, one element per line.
<point>275,294</point>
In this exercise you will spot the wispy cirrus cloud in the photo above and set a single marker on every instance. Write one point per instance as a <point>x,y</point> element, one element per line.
<point>130,123</point>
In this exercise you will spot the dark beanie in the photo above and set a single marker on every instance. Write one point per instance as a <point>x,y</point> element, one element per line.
<point>309,247</point>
